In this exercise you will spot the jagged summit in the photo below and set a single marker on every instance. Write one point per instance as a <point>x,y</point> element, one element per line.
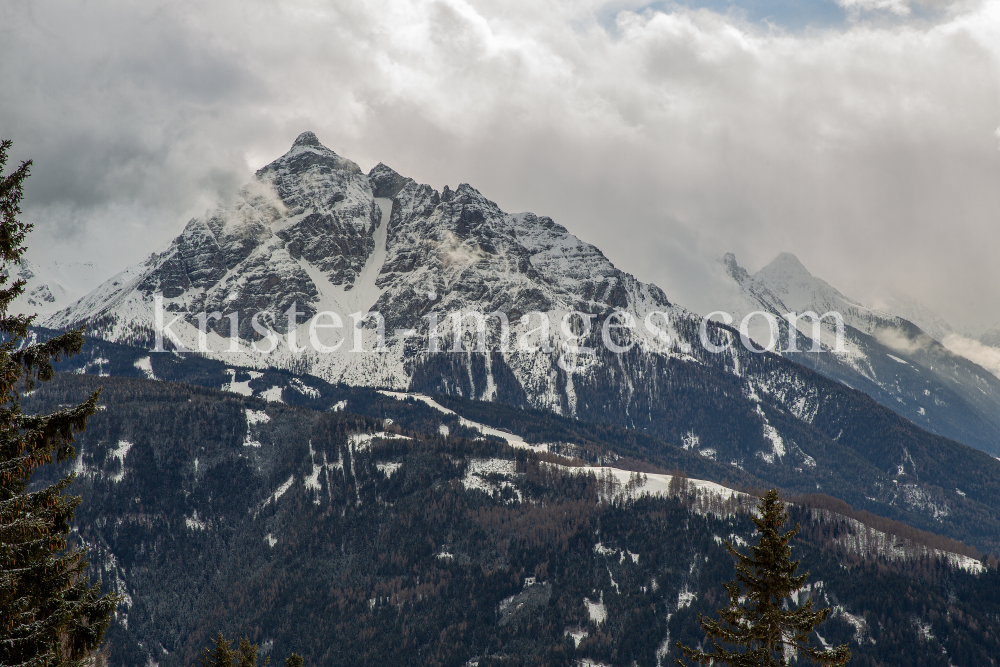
<point>387,182</point>
<point>307,153</point>
<point>312,230</point>
<point>735,271</point>
<point>307,138</point>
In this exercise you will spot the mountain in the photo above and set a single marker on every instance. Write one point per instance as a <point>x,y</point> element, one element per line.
<point>418,538</point>
<point>312,231</point>
<point>50,287</point>
<point>884,355</point>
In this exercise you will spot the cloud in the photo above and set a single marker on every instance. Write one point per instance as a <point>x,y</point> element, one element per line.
<point>666,139</point>
<point>456,254</point>
<point>854,7</point>
<point>982,355</point>
<point>899,341</point>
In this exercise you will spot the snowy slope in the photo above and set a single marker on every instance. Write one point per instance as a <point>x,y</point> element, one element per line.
<point>862,539</point>
<point>50,287</point>
<point>944,388</point>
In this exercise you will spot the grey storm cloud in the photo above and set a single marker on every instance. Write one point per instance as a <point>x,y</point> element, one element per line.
<point>665,137</point>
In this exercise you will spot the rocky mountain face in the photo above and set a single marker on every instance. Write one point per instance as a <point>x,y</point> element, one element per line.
<point>886,356</point>
<point>309,230</point>
<point>311,211</point>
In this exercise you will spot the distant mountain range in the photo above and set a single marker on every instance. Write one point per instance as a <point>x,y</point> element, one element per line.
<point>888,357</point>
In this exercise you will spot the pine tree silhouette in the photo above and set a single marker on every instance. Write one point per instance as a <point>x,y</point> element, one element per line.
<point>755,629</point>
<point>49,613</point>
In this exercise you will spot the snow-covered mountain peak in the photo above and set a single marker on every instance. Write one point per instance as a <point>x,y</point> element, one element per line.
<point>310,175</point>
<point>312,230</point>
<point>742,294</point>
<point>308,143</point>
<point>798,289</point>
<point>788,264</point>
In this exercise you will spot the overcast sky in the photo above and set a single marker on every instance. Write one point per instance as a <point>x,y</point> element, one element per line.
<point>861,135</point>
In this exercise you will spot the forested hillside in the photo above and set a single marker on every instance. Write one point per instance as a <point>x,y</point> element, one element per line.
<point>354,541</point>
<point>853,448</point>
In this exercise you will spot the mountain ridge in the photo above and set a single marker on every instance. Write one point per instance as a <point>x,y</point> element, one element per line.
<point>886,356</point>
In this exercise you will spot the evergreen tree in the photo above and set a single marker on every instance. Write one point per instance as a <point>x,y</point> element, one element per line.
<point>49,613</point>
<point>223,655</point>
<point>755,629</point>
<point>248,655</point>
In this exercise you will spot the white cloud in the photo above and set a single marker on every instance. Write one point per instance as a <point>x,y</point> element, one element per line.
<point>666,141</point>
<point>898,341</point>
<point>983,355</point>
